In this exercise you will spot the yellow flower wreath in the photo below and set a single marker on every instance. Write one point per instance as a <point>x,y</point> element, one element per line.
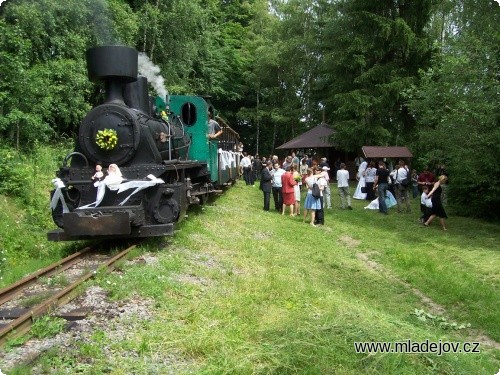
<point>106,139</point>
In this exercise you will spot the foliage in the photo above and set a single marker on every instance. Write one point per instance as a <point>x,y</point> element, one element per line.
<point>106,139</point>
<point>24,209</point>
<point>372,52</point>
<point>47,326</point>
<point>46,89</point>
<point>456,107</point>
<point>183,40</point>
<point>14,174</point>
<point>125,22</point>
<point>270,107</point>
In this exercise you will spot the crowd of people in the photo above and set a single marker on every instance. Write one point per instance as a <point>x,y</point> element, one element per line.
<point>384,186</point>
<point>286,181</point>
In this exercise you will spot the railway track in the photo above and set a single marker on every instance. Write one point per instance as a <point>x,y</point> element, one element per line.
<point>49,288</point>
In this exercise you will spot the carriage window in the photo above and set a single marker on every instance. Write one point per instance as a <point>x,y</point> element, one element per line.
<point>188,114</point>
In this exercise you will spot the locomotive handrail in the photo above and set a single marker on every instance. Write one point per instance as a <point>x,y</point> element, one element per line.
<point>169,141</point>
<point>76,153</point>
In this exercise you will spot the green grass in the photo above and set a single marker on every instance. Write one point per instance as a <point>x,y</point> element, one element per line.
<point>241,291</point>
<point>47,326</point>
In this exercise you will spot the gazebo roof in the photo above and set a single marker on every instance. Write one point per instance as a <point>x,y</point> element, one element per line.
<point>378,152</point>
<point>319,136</point>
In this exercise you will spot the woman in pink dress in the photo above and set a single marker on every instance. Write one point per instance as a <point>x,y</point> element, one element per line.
<point>287,190</point>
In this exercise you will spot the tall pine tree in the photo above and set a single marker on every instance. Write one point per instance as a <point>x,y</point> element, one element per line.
<point>373,50</point>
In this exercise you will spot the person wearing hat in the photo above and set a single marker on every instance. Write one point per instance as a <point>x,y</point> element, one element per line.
<point>327,193</point>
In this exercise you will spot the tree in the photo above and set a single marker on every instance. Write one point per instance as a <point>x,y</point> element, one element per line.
<point>14,60</point>
<point>258,112</point>
<point>46,91</point>
<point>371,53</point>
<point>456,108</point>
<point>283,48</point>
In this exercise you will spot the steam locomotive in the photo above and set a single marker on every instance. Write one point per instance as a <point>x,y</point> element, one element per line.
<point>167,162</point>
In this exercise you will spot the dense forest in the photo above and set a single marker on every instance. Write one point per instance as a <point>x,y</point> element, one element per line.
<point>421,73</point>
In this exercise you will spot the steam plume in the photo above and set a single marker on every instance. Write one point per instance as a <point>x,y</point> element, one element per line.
<point>152,73</point>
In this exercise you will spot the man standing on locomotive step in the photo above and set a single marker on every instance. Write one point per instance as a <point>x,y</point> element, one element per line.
<point>214,129</point>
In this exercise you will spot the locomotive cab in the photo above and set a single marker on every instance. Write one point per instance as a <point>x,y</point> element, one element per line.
<point>220,155</point>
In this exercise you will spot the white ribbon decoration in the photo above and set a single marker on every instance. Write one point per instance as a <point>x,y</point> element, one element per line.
<point>138,185</point>
<point>58,196</point>
<point>121,187</point>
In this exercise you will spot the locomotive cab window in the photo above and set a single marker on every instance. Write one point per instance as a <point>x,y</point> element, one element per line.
<point>188,113</point>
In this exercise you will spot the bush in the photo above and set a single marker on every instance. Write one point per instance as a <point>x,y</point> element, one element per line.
<point>14,174</point>
<point>25,183</point>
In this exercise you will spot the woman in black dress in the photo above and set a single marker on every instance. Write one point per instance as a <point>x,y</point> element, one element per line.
<point>437,205</point>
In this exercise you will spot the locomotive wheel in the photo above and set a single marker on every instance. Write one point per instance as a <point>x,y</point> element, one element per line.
<point>57,215</point>
<point>167,212</point>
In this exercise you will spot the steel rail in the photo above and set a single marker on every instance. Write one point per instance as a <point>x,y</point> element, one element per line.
<point>8,293</point>
<point>22,325</point>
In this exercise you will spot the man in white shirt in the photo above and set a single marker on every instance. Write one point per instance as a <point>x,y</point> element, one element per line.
<point>276,183</point>
<point>402,186</point>
<point>246,165</point>
<point>343,186</point>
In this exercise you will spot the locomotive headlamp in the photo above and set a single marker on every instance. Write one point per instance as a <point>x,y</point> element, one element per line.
<point>106,139</point>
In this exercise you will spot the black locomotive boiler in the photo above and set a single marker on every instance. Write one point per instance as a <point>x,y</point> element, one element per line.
<point>165,164</point>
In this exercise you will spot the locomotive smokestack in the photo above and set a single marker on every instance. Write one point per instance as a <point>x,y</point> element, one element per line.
<point>115,65</point>
<point>136,95</point>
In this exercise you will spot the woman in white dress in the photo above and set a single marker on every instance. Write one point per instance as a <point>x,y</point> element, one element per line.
<point>114,177</point>
<point>361,181</point>
<point>390,201</point>
<point>296,188</point>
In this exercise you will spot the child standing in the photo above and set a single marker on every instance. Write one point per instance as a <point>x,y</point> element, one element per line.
<point>425,205</point>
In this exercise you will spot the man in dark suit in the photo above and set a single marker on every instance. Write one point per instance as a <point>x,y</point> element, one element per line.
<point>265,184</point>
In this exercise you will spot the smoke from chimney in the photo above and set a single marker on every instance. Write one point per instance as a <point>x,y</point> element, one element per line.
<point>152,73</point>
